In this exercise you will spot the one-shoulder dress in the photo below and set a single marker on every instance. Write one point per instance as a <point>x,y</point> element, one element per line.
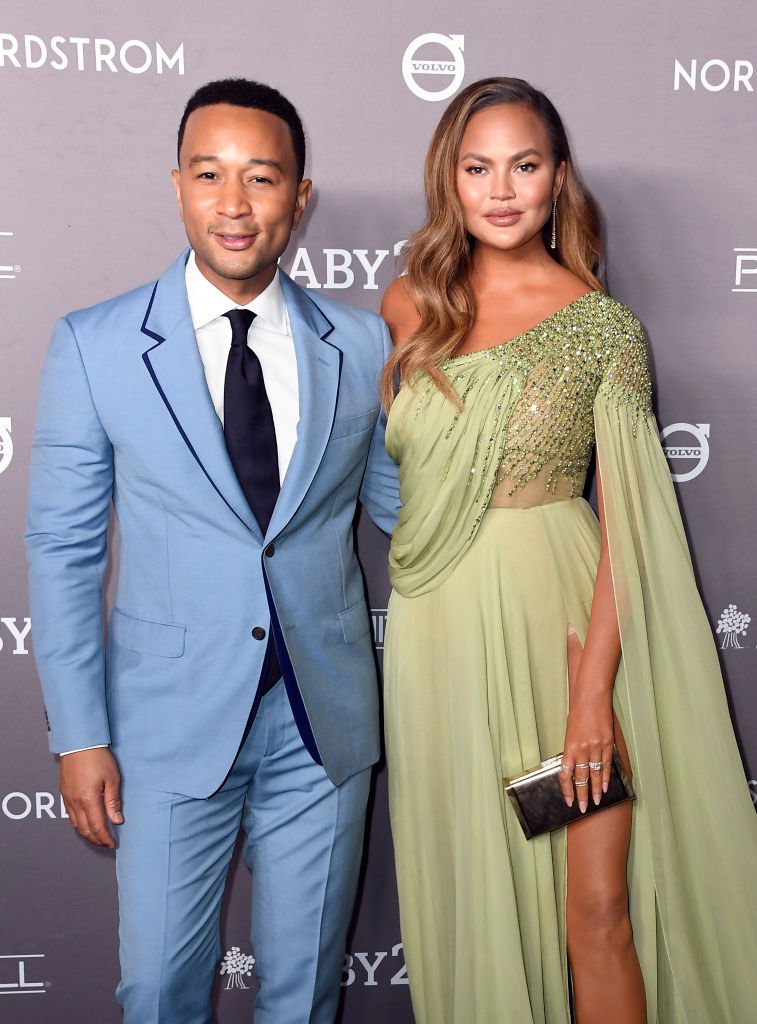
<point>493,562</point>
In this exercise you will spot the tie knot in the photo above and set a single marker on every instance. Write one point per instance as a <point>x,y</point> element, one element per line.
<point>240,320</point>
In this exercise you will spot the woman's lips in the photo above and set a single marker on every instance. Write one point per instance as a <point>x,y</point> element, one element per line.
<point>503,218</point>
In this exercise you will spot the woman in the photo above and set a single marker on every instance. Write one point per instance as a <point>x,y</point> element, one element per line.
<point>511,604</point>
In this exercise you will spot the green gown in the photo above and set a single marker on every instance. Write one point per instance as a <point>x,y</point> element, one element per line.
<point>492,563</point>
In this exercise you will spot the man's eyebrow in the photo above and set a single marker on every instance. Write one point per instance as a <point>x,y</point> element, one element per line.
<point>210,158</point>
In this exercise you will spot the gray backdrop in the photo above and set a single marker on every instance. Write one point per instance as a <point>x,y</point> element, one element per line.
<point>661,106</point>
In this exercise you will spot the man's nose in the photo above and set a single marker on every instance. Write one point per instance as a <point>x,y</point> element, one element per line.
<point>233,200</point>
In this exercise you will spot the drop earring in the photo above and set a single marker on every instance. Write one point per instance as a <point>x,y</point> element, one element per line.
<point>553,241</point>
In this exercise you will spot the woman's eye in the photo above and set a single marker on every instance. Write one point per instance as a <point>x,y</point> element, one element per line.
<point>475,169</point>
<point>526,168</point>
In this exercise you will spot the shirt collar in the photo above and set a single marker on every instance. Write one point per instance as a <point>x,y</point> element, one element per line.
<point>208,303</point>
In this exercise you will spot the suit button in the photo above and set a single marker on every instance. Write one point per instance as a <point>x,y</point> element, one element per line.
<point>258,633</point>
<point>270,550</point>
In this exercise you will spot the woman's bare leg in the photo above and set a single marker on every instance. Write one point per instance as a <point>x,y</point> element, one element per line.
<point>608,987</point>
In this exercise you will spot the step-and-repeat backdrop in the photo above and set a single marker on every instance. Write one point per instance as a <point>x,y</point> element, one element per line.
<point>661,105</point>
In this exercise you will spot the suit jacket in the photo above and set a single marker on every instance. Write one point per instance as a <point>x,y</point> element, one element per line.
<point>125,416</point>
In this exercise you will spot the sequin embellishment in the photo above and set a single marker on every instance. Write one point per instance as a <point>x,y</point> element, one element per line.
<point>594,343</point>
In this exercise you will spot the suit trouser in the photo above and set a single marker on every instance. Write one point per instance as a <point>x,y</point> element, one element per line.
<point>303,843</point>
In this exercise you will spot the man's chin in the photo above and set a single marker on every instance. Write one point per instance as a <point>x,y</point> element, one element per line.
<point>233,270</point>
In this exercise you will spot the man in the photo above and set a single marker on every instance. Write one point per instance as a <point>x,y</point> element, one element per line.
<point>238,684</point>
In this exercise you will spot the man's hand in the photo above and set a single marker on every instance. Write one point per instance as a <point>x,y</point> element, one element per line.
<point>90,784</point>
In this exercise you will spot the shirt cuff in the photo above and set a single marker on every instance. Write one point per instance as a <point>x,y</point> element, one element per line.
<point>97,746</point>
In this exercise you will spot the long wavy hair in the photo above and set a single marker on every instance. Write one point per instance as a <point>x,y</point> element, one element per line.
<point>438,256</point>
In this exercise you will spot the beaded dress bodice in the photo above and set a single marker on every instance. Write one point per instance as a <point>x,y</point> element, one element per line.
<point>560,365</point>
<point>524,431</point>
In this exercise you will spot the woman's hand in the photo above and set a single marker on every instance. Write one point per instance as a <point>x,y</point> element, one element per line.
<point>587,751</point>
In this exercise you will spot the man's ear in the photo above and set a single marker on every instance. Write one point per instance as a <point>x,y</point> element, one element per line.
<point>176,178</point>
<point>304,192</point>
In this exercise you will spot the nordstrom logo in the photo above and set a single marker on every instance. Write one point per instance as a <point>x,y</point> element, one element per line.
<point>81,53</point>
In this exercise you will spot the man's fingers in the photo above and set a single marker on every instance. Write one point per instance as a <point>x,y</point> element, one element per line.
<point>71,812</point>
<point>112,801</point>
<point>96,826</point>
<point>90,783</point>
<point>87,816</point>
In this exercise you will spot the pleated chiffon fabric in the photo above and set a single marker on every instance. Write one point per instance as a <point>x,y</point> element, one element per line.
<point>493,562</point>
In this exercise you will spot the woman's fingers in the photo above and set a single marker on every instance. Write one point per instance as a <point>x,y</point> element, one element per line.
<point>607,767</point>
<point>585,772</point>
<point>566,780</point>
<point>581,780</point>
<point>596,769</point>
<point>575,780</point>
<point>600,766</point>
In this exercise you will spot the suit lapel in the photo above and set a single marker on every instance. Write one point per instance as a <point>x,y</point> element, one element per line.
<point>318,369</point>
<point>174,364</point>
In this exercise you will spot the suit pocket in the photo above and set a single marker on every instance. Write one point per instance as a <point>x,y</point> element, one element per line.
<point>346,425</point>
<point>144,637</point>
<point>355,622</point>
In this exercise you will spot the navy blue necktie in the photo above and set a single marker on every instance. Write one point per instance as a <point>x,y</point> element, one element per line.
<point>248,422</point>
<point>251,443</point>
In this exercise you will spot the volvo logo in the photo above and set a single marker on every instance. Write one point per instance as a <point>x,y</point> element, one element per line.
<point>698,453</point>
<point>438,55</point>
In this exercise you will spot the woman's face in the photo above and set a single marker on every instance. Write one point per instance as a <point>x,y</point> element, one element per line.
<point>506,178</point>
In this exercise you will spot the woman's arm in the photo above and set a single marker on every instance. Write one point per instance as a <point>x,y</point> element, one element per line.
<point>589,732</point>
<point>399,312</point>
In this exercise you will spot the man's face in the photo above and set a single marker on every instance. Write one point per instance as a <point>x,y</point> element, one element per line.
<point>238,195</point>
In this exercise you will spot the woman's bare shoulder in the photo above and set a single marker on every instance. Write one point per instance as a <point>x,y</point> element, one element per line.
<point>399,310</point>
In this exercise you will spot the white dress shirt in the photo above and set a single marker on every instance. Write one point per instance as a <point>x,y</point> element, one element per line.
<point>270,338</point>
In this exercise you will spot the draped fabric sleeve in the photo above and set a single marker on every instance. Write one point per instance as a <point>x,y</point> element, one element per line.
<point>702,833</point>
<point>448,461</point>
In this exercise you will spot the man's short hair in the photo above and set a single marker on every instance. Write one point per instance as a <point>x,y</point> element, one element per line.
<point>241,92</point>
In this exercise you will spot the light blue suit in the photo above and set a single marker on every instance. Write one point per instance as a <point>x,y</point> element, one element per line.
<point>125,415</point>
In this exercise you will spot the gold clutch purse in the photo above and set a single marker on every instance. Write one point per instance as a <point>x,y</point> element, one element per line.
<point>540,806</point>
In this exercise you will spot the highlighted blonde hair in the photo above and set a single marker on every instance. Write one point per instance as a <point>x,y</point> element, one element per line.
<point>438,256</point>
